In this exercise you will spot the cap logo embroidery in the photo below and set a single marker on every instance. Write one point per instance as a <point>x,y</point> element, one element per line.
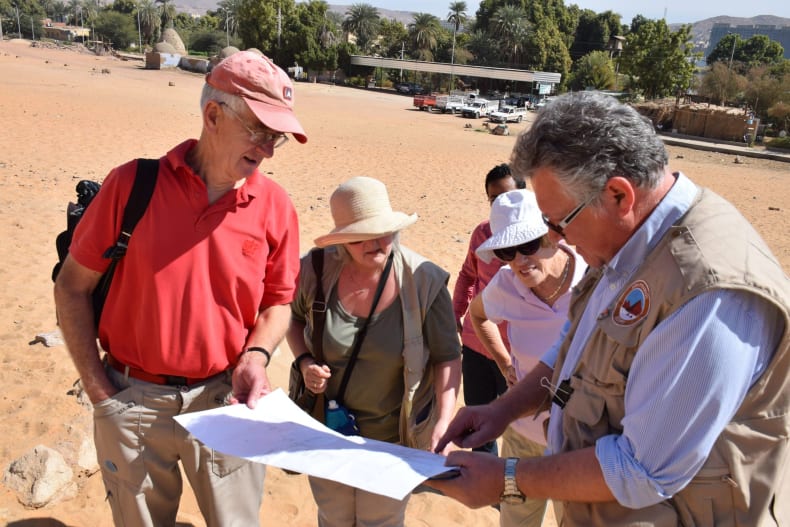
<point>287,93</point>
<point>633,305</point>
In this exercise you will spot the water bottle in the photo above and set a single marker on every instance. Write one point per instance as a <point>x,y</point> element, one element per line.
<point>335,416</point>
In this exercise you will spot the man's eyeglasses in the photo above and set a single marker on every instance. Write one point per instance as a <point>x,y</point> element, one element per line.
<point>507,254</point>
<point>259,137</point>
<point>560,227</point>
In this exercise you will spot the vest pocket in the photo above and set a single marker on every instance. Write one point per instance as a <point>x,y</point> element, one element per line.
<point>590,411</point>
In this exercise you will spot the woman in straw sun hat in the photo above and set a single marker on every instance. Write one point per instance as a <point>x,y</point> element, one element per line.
<point>532,294</point>
<point>403,384</point>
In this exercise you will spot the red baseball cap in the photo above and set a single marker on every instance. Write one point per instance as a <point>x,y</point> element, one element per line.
<point>263,85</point>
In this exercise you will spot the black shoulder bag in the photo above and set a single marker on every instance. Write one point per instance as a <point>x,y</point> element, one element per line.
<point>308,401</point>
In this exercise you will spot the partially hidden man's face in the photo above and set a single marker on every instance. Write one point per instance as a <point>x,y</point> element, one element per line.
<point>241,134</point>
<point>590,231</point>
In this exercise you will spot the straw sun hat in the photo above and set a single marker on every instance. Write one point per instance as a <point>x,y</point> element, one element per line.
<point>362,211</point>
<point>515,219</point>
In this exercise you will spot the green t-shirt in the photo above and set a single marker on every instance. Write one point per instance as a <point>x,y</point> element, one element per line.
<point>375,388</point>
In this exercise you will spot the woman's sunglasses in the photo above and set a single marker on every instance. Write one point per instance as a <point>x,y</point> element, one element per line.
<point>507,254</point>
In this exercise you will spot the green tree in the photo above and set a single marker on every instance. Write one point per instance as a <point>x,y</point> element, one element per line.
<point>546,50</point>
<point>115,28</point>
<point>167,12</point>
<point>720,84</point>
<point>764,90</point>
<point>483,48</point>
<point>124,6</point>
<point>745,54</point>
<point>424,33</point>
<point>780,112</point>
<point>594,70</point>
<point>207,41</point>
<point>392,38</point>
<point>228,14</point>
<point>150,22</point>
<point>258,25</point>
<point>30,15</point>
<point>310,29</point>
<point>593,32</point>
<point>363,21</point>
<point>658,61</point>
<point>59,11</point>
<point>510,27</point>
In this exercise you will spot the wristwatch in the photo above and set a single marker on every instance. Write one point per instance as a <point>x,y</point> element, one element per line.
<point>511,494</point>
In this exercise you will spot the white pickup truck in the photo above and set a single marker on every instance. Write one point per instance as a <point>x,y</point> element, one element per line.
<point>449,103</point>
<point>477,108</point>
<point>508,114</point>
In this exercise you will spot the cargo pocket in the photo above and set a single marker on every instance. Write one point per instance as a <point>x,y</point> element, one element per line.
<point>222,464</point>
<point>116,424</point>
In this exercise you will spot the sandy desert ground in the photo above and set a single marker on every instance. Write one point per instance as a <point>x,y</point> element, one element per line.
<point>68,116</point>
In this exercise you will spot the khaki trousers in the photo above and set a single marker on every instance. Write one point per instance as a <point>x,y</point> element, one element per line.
<point>139,446</point>
<point>531,512</point>
<point>343,506</point>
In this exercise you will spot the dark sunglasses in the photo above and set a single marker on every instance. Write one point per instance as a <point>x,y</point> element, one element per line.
<point>507,254</point>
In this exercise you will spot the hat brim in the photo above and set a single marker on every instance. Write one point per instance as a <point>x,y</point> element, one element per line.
<point>367,229</point>
<point>510,236</point>
<point>277,118</point>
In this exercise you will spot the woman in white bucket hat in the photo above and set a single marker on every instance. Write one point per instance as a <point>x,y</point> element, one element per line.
<point>531,293</point>
<point>403,385</point>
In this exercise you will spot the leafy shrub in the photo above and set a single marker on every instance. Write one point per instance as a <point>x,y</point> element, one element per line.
<point>780,142</point>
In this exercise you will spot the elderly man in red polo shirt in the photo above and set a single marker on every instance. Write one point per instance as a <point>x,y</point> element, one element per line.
<point>195,307</point>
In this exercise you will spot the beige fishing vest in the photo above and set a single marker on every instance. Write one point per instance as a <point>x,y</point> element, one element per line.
<point>419,282</point>
<point>745,480</point>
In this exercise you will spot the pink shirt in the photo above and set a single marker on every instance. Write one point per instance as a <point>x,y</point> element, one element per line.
<point>533,326</point>
<point>195,276</point>
<point>473,277</point>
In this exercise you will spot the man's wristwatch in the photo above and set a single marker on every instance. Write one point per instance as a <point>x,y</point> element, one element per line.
<point>511,494</point>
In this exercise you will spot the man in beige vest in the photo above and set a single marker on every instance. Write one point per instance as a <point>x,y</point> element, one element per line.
<point>669,391</point>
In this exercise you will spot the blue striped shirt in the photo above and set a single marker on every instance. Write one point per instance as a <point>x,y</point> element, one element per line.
<point>687,381</point>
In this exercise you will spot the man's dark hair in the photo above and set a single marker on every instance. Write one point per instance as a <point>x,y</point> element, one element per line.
<point>501,172</point>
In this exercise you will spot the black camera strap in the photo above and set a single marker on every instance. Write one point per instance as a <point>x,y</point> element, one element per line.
<point>364,330</point>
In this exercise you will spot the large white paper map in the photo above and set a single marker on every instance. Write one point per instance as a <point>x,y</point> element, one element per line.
<point>279,433</point>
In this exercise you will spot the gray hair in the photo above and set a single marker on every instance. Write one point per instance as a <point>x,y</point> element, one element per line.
<point>210,93</point>
<point>586,138</point>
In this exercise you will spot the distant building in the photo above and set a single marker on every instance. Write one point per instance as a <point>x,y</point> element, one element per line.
<point>780,34</point>
<point>61,31</point>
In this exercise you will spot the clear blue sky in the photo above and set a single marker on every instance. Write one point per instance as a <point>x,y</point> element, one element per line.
<point>676,10</point>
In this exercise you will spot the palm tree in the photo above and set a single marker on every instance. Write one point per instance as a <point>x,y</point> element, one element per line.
<point>457,17</point>
<point>59,11</point>
<point>363,21</point>
<point>150,21</point>
<point>510,25</point>
<point>167,12</point>
<point>424,32</point>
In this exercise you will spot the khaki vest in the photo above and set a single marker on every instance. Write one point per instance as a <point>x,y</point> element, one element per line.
<point>419,282</point>
<point>745,480</point>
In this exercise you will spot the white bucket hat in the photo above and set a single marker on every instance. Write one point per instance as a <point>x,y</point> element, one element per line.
<point>362,211</point>
<point>515,219</point>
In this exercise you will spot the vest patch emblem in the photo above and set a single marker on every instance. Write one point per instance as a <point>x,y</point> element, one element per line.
<point>633,305</point>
